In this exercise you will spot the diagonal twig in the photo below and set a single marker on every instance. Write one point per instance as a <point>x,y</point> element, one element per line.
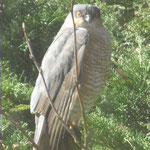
<point>77,141</point>
<point>17,124</point>
<point>76,80</point>
<point>118,70</point>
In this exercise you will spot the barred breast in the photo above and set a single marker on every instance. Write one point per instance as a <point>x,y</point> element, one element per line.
<point>94,72</point>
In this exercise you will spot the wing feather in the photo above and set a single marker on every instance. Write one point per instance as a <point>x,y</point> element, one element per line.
<point>58,67</point>
<point>55,128</point>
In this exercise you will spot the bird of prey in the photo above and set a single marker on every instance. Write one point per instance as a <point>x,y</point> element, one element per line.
<point>58,65</point>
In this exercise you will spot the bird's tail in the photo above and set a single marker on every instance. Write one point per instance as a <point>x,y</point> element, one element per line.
<point>41,137</point>
<point>67,142</point>
<point>64,140</point>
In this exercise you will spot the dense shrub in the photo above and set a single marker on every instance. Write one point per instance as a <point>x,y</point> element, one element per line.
<point>13,138</point>
<point>121,118</point>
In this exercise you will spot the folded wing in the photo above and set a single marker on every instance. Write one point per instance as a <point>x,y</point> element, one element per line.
<point>58,67</point>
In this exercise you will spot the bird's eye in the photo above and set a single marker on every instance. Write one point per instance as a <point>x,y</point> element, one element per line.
<point>97,14</point>
<point>79,14</point>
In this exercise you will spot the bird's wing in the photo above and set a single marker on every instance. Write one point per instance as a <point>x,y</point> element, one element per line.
<point>58,67</point>
<point>57,63</point>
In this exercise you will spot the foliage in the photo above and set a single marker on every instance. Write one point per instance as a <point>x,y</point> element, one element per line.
<point>42,20</point>
<point>18,140</point>
<point>15,101</point>
<point>131,50</point>
<point>110,134</point>
<point>121,119</point>
<point>14,92</point>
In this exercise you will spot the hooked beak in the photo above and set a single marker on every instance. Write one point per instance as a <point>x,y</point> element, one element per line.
<point>88,18</point>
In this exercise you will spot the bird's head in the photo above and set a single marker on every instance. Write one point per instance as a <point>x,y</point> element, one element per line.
<point>85,15</point>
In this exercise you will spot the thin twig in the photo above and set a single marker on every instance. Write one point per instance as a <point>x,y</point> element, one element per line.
<point>76,80</point>
<point>17,124</point>
<point>129,143</point>
<point>47,91</point>
<point>119,71</point>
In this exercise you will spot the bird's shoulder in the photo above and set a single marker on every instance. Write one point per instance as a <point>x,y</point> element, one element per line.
<point>64,43</point>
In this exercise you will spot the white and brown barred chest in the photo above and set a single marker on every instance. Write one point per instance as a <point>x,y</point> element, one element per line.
<point>94,71</point>
<point>95,68</point>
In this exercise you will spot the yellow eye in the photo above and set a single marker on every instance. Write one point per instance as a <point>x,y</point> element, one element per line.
<point>97,14</point>
<point>79,14</point>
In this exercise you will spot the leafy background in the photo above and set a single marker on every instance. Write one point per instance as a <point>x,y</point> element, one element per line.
<point>120,119</point>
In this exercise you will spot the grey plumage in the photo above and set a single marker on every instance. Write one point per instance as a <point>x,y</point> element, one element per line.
<point>58,67</point>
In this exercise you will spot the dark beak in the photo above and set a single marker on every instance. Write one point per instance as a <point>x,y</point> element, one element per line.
<point>88,18</point>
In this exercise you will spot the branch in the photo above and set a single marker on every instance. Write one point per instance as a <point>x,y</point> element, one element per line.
<point>76,80</point>
<point>47,91</point>
<point>17,124</point>
<point>119,71</point>
<point>129,143</point>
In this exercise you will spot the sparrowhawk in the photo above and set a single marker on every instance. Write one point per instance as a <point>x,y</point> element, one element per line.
<point>58,65</point>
